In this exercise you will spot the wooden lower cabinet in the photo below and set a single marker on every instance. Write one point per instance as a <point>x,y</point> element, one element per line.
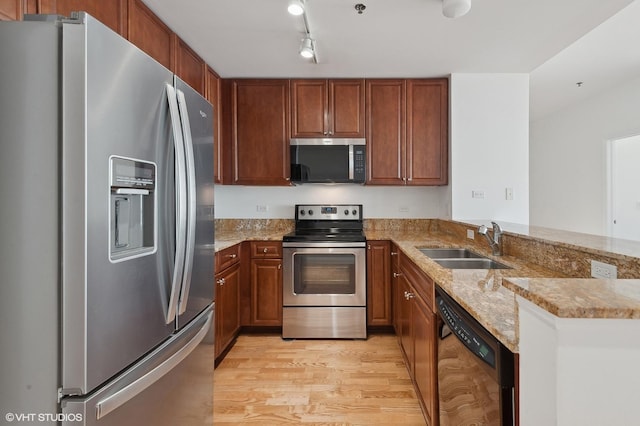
<point>266,283</point>
<point>227,320</point>
<point>378,284</point>
<point>415,324</point>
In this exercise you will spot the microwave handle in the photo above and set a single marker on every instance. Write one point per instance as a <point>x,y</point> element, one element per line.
<point>351,163</point>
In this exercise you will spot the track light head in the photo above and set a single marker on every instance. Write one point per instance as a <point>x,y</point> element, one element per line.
<point>306,48</point>
<point>296,7</point>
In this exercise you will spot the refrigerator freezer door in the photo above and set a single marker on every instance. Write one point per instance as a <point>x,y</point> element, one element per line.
<point>177,374</point>
<point>114,106</point>
<point>197,290</point>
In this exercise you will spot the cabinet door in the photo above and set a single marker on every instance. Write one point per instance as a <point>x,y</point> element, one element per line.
<point>385,117</point>
<point>260,136</point>
<point>150,34</point>
<point>427,132</point>
<point>424,368</point>
<point>227,307</point>
<point>190,67</point>
<point>266,292</point>
<point>111,13</point>
<point>346,108</point>
<point>11,10</point>
<point>404,319</point>
<point>378,284</point>
<point>213,91</point>
<point>309,109</point>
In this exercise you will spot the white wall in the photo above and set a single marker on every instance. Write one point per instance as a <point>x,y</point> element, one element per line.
<point>490,146</point>
<point>379,202</point>
<point>568,159</point>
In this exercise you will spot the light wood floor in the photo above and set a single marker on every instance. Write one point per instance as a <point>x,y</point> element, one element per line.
<point>269,381</point>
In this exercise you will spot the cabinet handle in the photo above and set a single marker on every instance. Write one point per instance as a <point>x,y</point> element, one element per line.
<point>221,281</point>
<point>233,256</point>
<point>394,253</point>
<point>265,250</point>
<point>368,246</point>
<point>279,265</point>
<point>408,295</point>
<point>396,274</point>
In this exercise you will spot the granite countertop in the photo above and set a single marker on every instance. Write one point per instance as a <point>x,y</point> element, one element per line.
<point>478,291</point>
<point>227,239</point>
<point>581,298</point>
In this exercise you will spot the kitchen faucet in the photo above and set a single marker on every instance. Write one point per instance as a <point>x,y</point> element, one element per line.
<point>495,242</point>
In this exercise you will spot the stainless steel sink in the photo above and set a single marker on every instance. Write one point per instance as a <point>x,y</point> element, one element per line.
<point>449,253</point>
<point>461,258</point>
<point>478,263</point>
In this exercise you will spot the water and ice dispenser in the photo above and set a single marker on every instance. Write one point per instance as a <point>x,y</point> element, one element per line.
<point>132,216</point>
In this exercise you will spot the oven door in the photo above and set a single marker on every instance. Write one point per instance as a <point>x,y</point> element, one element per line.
<point>321,274</point>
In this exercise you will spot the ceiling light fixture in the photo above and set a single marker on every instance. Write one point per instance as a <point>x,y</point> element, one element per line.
<point>455,8</point>
<point>296,7</point>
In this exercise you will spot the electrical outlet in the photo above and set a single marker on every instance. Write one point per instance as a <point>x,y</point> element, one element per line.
<point>603,270</point>
<point>477,194</point>
<point>403,209</point>
<point>470,234</point>
<point>262,208</point>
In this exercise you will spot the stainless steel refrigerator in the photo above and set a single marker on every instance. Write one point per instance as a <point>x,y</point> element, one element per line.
<point>106,182</point>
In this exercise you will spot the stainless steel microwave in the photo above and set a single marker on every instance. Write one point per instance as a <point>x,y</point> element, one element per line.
<point>325,160</point>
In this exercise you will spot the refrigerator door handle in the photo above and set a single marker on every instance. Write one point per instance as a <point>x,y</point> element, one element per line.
<point>112,402</point>
<point>181,202</point>
<point>191,202</point>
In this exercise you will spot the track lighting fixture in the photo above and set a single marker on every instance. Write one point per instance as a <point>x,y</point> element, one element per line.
<point>455,8</point>
<point>296,7</point>
<point>308,45</point>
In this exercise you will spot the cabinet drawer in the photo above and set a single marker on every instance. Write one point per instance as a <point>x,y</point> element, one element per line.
<point>266,249</point>
<point>227,257</point>
<point>418,279</point>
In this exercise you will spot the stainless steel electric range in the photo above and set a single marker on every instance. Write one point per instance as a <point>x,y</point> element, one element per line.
<point>324,267</point>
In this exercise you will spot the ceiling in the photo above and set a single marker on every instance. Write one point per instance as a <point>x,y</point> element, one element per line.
<point>411,38</point>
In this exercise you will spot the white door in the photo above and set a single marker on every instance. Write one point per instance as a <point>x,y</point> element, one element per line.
<point>625,188</point>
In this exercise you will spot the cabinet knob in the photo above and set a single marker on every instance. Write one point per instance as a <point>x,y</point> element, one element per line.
<point>232,256</point>
<point>279,265</point>
<point>408,295</point>
<point>265,250</point>
<point>394,253</point>
<point>396,274</point>
<point>221,281</point>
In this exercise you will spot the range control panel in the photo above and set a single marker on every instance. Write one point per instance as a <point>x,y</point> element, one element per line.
<point>329,212</point>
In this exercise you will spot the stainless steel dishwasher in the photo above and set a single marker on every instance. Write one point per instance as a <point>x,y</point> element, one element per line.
<point>475,371</point>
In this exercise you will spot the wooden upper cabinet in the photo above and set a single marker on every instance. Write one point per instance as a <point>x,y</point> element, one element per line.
<point>260,131</point>
<point>427,131</point>
<point>150,34</point>
<point>111,13</point>
<point>407,132</point>
<point>327,108</point>
<point>385,117</point>
<point>190,67</point>
<point>11,10</point>
<point>213,95</point>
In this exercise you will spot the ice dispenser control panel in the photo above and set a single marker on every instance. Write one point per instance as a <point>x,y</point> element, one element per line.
<point>132,213</point>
